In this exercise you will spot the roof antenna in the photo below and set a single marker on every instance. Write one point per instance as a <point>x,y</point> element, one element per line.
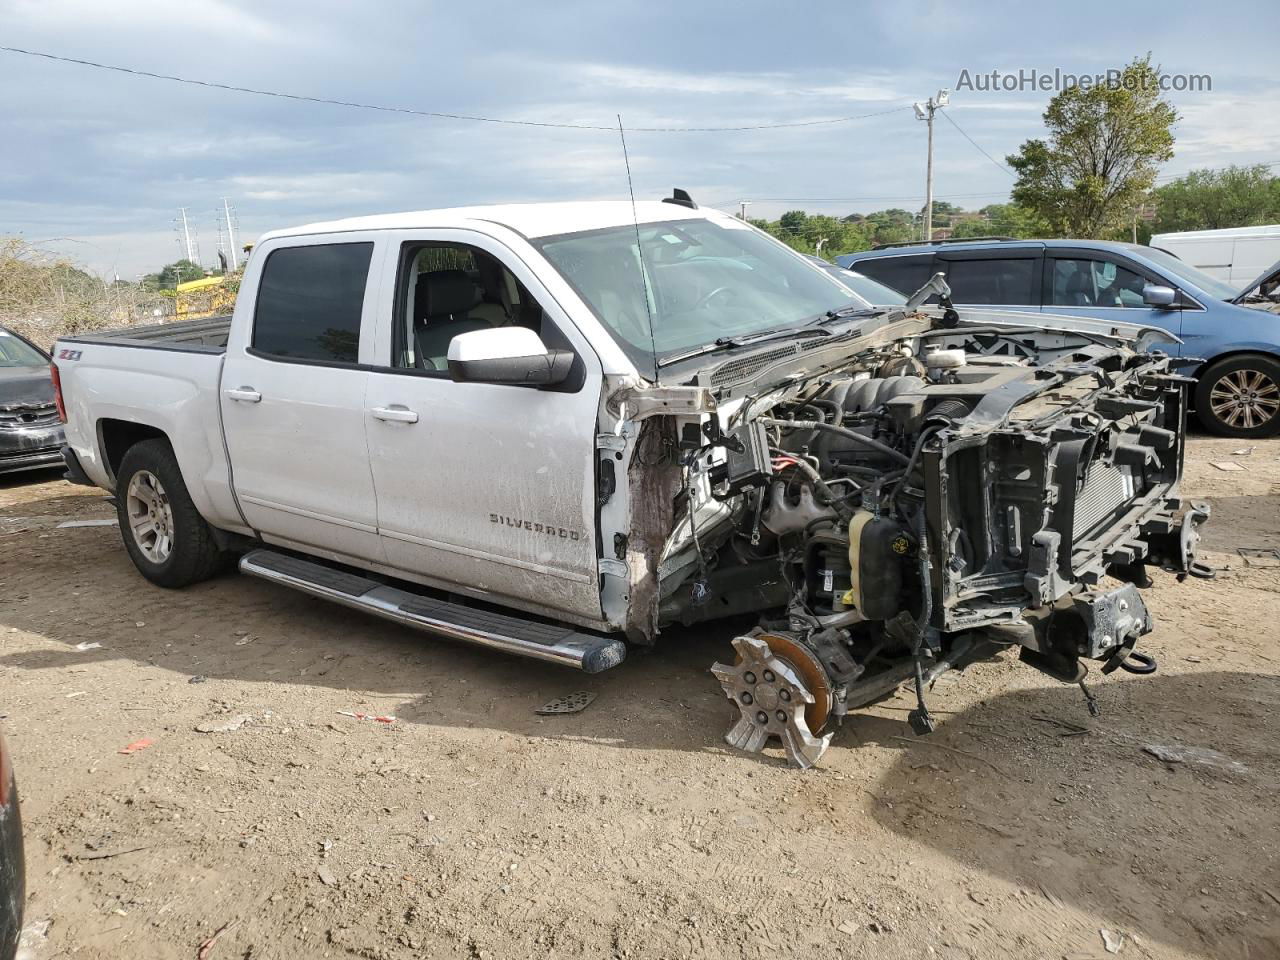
<point>680,198</point>
<point>644,276</point>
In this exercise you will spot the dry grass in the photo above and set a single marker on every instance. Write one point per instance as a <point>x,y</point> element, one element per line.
<point>43,297</point>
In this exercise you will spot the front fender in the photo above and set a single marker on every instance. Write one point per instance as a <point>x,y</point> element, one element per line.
<point>1218,333</point>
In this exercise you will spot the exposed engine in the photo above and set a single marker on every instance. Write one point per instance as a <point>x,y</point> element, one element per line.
<point>920,509</point>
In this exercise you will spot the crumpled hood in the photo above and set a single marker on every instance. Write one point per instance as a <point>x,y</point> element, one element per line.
<point>25,386</point>
<point>1142,336</point>
<point>1248,289</point>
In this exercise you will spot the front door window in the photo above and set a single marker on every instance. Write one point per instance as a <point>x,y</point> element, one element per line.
<point>1096,283</point>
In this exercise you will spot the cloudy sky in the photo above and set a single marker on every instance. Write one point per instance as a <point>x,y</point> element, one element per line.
<point>97,163</point>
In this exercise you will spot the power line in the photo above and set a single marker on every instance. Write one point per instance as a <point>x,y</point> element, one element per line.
<point>1167,176</point>
<point>727,204</point>
<point>976,147</point>
<point>1180,176</point>
<point>434,114</point>
<point>293,96</point>
<point>772,126</point>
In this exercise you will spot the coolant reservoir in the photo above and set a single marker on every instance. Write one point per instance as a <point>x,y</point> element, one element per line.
<point>876,549</point>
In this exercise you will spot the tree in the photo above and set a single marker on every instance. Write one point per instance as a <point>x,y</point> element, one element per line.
<point>851,238</point>
<point>1104,146</point>
<point>793,220</point>
<point>1003,219</point>
<point>169,276</point>
<point>821,232</point>
<point>791,232</point>
<point>893,217</point>
<point>891,226</point>
<point>1214,199</point>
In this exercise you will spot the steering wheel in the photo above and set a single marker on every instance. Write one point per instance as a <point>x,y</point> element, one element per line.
<point>706,299</point>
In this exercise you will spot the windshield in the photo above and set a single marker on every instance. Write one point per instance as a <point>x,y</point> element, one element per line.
<point>1185,271</point>
<point>15,352</point>
<point>706,280</point>
<point>869,290</point>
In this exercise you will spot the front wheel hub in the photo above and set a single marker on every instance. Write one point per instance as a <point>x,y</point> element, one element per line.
<point>770,691</point>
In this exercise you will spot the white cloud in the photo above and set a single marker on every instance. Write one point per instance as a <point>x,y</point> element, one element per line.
<point>328,187</point>
<point>1217,130</point>
<point>157,145</point>
<point>180,24</point>
<point>759,84</point>
<point>984,102</point>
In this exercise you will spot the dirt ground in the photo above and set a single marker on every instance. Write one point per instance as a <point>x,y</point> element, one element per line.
<point>471,827</point>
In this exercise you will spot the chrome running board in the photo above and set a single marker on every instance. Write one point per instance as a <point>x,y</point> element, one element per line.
<point>554,643</point>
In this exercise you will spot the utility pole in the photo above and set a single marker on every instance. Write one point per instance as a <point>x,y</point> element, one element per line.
<point>186,235</point>
<point>742,208</point>
<point>925,111</point>
<point>231,236</point>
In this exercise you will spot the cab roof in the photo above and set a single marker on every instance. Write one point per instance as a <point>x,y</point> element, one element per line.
<point>527,219</point>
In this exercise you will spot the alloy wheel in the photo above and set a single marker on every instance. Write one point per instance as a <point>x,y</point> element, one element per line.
<point>1245,399</point>
<point>150,516</point>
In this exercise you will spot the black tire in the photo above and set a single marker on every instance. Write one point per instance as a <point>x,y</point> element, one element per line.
<point>1240,396</point>
<point>191,555</point>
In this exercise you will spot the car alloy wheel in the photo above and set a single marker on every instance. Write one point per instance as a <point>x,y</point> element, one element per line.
<point>150,516</point>
<point>1245,399</point>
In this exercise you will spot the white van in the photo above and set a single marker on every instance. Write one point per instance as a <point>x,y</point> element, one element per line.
<point>1236,255</point>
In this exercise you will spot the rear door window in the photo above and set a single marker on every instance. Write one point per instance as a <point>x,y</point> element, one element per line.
<point>310,300</point>
<point>993,280</point>
<point>905,274</point>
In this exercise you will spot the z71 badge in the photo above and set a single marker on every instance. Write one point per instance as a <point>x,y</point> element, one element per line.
<point>65,354</point>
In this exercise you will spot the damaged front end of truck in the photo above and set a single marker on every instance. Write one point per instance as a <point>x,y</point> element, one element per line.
<point>898,500</point>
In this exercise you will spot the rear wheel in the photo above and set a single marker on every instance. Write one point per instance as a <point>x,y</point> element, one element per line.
<point>167,539</point>
<point>1240,396</point>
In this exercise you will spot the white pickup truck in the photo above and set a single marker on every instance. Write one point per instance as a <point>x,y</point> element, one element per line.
<point>547,428</point>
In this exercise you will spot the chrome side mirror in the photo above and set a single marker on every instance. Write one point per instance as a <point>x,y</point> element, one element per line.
<point>1159,295</point>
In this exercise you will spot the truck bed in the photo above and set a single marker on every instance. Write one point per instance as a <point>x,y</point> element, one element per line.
<point>206,335</point>
<point>164,377</point>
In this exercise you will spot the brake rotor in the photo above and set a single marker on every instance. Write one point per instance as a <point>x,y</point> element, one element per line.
<point>808,668</point>
<point>772,691</point>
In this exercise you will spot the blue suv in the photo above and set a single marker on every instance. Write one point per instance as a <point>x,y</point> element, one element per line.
<point>1233,351</point>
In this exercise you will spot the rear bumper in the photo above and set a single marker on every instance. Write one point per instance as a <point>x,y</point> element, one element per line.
<point>31,448</point>
<point>75,472</point>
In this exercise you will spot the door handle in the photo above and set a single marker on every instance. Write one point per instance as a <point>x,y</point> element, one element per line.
<point>395,414</point>
<point>244,394</point>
